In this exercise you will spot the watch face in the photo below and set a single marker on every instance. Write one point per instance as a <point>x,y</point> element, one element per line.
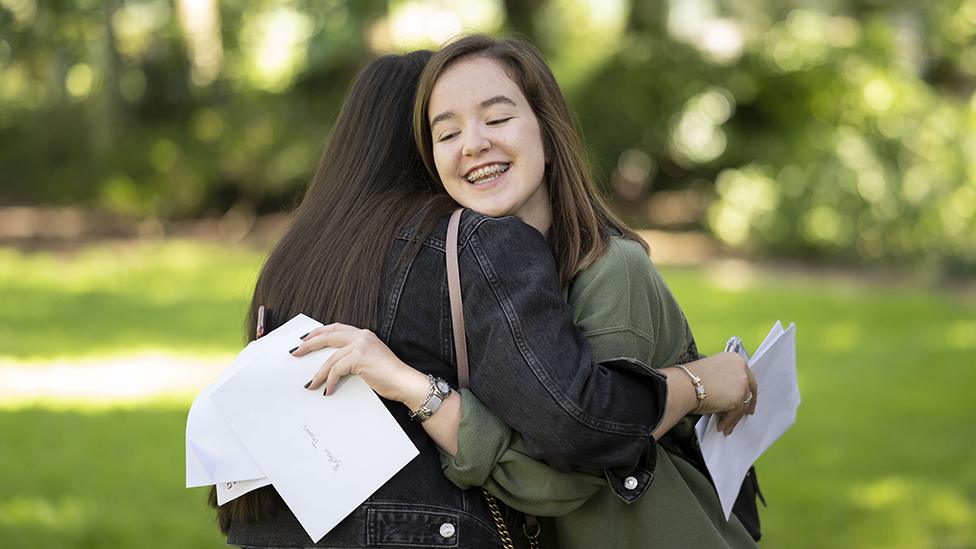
<point>442,386</point>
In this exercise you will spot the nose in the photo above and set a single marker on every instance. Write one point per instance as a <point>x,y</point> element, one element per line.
<point>475,143</point>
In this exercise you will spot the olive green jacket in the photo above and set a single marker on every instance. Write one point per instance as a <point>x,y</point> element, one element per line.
<point>625,309</point>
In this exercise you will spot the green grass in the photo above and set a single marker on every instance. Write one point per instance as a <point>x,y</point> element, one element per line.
<point>106,478</point>
<point>883,453</point>
<point>177,297</point>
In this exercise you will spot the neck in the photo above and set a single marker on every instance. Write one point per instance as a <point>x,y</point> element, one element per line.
<point>541,221</point>
<point>537,212</point>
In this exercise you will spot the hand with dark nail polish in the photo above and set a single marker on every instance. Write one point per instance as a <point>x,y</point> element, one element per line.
<point>304,336</point>
<point>294,349</point>
<point>307,384</point>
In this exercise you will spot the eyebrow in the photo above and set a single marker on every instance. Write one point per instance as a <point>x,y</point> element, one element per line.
<point>484,105</point>
<point>496,100</point>
<point>441,117</point>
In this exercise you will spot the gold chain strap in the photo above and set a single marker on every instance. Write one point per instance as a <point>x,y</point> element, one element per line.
<point>499,521</point>
<point>502,528</point>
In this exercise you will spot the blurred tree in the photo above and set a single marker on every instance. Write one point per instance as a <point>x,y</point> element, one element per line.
<point>522,16</point>
<point>826,128</point>
<point>841,129</point>
<point>106,105</point>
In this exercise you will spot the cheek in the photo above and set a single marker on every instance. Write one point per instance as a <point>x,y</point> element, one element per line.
<point>442,161</point>
<point>534,147</point>
<point>529,141</point>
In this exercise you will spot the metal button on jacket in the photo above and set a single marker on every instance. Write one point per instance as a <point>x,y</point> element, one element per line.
<point>630,483</point>
<point>447,530</point>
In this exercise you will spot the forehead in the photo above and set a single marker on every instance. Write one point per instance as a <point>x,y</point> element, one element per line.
<point>468,82</point>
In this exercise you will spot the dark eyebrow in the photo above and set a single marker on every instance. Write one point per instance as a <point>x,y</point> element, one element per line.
<point>441,117</point>
<point>496,100</point>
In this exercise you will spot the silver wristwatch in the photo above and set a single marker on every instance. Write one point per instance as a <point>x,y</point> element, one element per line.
<point>439,390</point>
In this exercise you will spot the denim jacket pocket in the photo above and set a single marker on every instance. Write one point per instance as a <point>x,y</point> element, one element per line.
<point>407,526</point>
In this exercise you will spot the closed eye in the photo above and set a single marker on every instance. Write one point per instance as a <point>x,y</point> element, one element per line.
<point>446,137</point>
<point>499,121</point>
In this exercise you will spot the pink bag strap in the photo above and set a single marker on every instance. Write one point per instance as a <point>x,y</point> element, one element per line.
<point>461,354</point>
<point>454,290</point>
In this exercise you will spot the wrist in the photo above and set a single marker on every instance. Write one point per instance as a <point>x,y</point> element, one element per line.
<point>681,391</point>
<point>438,392</point>
<point>413,389</point>
<point>699,386</point>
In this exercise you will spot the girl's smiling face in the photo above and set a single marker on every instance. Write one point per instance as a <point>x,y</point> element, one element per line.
<point>487,143</point>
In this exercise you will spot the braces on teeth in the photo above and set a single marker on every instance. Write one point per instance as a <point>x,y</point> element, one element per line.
<point>493,170</point>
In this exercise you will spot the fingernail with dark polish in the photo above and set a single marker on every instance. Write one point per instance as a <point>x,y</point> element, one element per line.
<point>304,336</point>
<point>325,392</point>
<point>307,384</point>
<point>294,349</point>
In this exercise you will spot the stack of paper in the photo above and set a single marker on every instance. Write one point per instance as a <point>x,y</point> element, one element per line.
<point>729,457</point>
<point>258,425</point>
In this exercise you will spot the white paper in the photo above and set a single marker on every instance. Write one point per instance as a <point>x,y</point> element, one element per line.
<point>324,455</point>
<point>774,333</point>
<point>227,491</point>
<point>729,457</point>
<point>214,454</point>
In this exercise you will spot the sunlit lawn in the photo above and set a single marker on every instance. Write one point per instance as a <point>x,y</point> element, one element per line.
<point>883,454</point>
<point>180,297</point>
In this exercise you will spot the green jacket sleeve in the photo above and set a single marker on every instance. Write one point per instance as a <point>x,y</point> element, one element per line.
<point>490,454</point>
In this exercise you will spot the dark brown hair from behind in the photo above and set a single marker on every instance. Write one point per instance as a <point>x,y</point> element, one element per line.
<point>369,184</point>
<point>581,220</point>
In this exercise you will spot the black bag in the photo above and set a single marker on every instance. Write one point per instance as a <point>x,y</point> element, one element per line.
<point>746,506</point>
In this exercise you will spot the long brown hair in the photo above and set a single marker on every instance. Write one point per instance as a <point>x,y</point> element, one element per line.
<point>581,221</point>
<point>369,184</point>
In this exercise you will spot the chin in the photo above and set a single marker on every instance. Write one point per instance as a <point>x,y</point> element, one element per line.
<point>494,211</point>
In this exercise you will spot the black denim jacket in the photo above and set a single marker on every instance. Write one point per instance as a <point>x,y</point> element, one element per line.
<point>529,364</point>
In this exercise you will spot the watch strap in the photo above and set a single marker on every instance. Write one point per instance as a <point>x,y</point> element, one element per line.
<point>435,398</point>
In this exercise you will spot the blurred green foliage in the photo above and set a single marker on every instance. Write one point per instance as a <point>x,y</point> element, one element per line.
<point>822,128</point>
<point>837,128</point>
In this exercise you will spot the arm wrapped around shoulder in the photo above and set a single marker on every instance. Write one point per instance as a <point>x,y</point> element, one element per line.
<point>490,454</point>
<point>533,368</point>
